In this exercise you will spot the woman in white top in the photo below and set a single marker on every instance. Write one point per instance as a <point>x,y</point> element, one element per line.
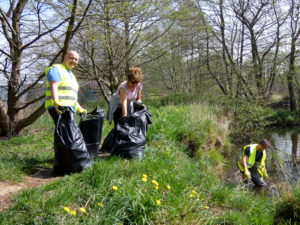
<point>127,92</point>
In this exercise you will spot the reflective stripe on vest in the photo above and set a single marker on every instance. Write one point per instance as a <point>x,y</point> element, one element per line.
<point>251,159</point>
<point>62,97</point>
<point>63,88</point>
<point>67,90</point>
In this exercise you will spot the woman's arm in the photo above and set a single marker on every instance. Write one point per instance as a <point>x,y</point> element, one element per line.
<point>123,101</point>
<point>139,96</point>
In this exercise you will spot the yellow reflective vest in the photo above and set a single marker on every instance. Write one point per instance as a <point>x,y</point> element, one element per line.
<point>67,90</point>
<point>251,159</point>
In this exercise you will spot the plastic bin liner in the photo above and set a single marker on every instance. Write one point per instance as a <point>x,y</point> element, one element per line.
<point>130,133</point>
<point>108,142</point>
<point>91,127</point>
<point>70,153</point>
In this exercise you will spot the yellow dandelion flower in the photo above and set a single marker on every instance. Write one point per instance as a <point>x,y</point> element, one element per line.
<point>73,213</point>
<point>168,187</point>
<point>155,187</point>
<point>83,210</point>
<point>191,196</point>
<point>115,188</point>
<point>158,202</point>
<point>144,179</point>
<point>145,176</point>
<point>194,192</point>
<point>154,182</point>
<point>100,204</point>
<point>67,209</point>
<point>206,207</point>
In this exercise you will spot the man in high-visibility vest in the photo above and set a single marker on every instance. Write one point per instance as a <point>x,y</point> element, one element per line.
<point>62,89</point>
<point>252,162</point>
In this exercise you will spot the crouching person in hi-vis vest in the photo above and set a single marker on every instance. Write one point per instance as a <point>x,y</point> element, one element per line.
<point>252,162</point>
<point>62,88</point>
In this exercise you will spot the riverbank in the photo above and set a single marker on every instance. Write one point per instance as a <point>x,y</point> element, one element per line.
<point>180,180</point>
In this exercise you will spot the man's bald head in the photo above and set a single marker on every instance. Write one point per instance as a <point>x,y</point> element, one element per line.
<point>71,59</point>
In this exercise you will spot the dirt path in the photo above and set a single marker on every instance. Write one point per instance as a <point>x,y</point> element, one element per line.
<point>42,176</point>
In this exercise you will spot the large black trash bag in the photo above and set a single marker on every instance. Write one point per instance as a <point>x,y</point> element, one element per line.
<point>70,154</point>
<point>108,142</point>
<point>91,127</point>
<point>130,133</point>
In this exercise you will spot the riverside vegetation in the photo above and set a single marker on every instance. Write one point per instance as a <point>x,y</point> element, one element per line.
<point>177,182</point>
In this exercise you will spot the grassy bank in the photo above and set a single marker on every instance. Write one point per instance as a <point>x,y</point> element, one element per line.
<point>178,182</point>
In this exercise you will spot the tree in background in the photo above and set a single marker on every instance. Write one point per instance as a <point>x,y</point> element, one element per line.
<point>249,33</point>
<point>118,35</point>
<point>34,33</point>
<point>181,68</point>
<point>294,33</point>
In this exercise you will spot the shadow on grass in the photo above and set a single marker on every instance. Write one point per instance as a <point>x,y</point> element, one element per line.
<point>32,167</point>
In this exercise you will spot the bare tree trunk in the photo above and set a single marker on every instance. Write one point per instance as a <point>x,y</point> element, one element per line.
<point>295,33</point>
<point>12,120</point>
<point>290,77</point>
<point>69,32</point>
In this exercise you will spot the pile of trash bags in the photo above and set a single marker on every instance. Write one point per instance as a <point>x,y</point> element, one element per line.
<point>76,146</point>
<point>127,139</point>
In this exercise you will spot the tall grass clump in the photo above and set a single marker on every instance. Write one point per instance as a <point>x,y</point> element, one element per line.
<point>204,128</point>
<point>288,207</point>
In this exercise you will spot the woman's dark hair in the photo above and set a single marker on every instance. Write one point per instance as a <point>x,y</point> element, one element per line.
<point>134,74</point>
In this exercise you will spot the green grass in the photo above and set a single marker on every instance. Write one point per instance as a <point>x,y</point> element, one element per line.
<point>183,155</point>
<point>21,155</point>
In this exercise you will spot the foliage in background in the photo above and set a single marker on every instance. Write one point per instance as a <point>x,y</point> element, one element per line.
<point>286,118</point>
<point>250,118</point>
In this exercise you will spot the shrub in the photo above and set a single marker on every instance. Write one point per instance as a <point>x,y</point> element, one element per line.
<point>250,118</point>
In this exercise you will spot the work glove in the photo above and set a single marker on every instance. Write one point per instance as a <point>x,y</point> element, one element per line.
<point>82,111</point>
<point>247,174</point>
<point>57,106</point>
<point>265,175</point>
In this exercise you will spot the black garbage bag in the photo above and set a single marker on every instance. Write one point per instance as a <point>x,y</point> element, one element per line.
<point>130,133</point>
<point>70,153</point>
<point>108,142</point>
<point>91,127</point>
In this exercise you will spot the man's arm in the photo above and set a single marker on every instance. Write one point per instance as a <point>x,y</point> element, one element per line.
<point>54,90</point>
<point>244,162</point>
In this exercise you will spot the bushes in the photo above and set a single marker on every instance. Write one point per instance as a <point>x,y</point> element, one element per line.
<point>286,118</point>
<point>250,118</point>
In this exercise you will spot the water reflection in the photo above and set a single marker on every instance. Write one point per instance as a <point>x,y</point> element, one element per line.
<point>287,141</point>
